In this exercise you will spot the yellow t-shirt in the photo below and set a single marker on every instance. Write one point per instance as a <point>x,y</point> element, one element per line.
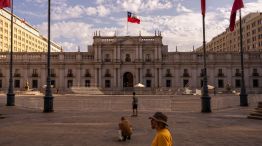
<point>162,138</point>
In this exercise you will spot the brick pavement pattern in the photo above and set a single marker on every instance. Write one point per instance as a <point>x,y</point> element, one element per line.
<point>225,126</point>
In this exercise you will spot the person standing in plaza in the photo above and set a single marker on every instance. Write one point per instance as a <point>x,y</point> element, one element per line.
<point>134,104</point>
<point>163,136</point>
<point>125,129</point>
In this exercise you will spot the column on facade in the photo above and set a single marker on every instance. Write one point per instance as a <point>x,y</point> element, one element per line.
<point>194,74</point>
<point>95,53</point>
<point>140,50</point>
<point>78,76</point>
<point>178,79</point>
<point>156,53</point>
<point>155,78</point>
<point>60,79</point>
<point>159,77</point>
<point>137,75</point>
<point>137,53</point>
<point>116,76</point>
<point>97,77</point>
<point>159,52</point>
<point>118,52</point>
<point>99,53</point>
<point>43,76</point>
<point>100,77</point>
<point>119,78</point>
<point>115,54</point>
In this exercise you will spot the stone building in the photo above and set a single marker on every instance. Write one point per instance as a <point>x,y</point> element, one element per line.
<point>230,41</point>
<point>25,37</point>
<point>114,64</point>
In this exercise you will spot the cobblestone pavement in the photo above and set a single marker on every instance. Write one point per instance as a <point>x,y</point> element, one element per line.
<point>25,124</point>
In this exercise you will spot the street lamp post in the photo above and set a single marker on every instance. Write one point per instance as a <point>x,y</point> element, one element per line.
<point>243,94</point>
<point>48,98</point>
<point>10,95</point>
<point>205,99</point>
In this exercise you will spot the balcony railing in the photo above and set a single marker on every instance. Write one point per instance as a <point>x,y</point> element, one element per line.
<point>186,75</point>
<point>237,74</point>
<point>148,75</point>
<point>53,75</point>
<point>87,75</point>
<point>255,74</point>
<point>34,75</point>
<point>107,75</point>
<point>107,60</point>
<point>148,60</point>
<point>220,75</point>
<point>70,75</point>
<point>168,75</point>
<point>17,75</point>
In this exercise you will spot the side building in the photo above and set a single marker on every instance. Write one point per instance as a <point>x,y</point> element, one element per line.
<point>114,64</point>
<point>229,41</point>
<point>25,37</point>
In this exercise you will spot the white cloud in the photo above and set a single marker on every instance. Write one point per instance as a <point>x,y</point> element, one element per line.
<point>144,5</point>
<point>102,11</point>
<point>180,8</point>
<point>183,30</point>
<point>90,11</point>
<point>63,12</point>
<point>69,33</point>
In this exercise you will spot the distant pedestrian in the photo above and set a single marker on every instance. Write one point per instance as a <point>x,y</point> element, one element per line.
<point>163,136</point>
<point>214,91</point>
<point>134,104</point>
<point>125,129</point>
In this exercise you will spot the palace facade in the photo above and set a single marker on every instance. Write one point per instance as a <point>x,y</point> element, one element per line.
<point>25,37</point>
<point>114,64</point>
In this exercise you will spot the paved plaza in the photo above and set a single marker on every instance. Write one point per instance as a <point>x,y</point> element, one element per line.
<point>81,120</point>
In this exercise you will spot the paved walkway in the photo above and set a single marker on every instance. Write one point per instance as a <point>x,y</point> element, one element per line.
<point>225,126</point>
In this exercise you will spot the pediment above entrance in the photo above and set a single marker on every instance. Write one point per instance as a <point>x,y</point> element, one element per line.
<point>127,41</point>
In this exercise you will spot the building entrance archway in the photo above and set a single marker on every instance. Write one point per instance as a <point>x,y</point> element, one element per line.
<point>128,80</point>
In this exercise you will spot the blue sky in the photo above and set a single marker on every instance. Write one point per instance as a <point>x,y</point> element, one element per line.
<point>75,21</point>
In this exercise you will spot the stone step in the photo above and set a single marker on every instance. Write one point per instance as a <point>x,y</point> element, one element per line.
<point>260,104</point>
<point>255,117</point>
<point>259,110</point>
<point>256,114</point>
<point>87,90</point>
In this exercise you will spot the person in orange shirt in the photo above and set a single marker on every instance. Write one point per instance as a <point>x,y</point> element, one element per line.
<point>163,136</point>
<point>125,129</point>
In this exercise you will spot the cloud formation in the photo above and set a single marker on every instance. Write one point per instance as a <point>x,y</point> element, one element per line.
<point>74,25</point>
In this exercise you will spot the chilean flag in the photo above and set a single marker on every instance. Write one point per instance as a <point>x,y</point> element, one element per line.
<point>203,7</point>
<point>131,17</point>
<point>5,3</point>
<point>238,4</point>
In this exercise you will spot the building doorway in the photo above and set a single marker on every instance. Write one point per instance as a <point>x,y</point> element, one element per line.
<point>128,80</point>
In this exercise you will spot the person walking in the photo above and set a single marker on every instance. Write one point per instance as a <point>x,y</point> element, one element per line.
<point>134,104</point>
<point>125,129</point>
<point>163,136</point>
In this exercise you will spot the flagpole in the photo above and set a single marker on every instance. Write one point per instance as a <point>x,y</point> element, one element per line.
<point>243,95</point>
<point>48,98</point>
<point>10,94</point>
<point>205,99</point>
<point>127,28</point>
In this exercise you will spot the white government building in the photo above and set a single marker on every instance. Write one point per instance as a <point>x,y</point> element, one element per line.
<point>114,64</point>
<point>25,37</point>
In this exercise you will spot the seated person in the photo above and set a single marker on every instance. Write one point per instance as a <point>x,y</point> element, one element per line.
<point>125,129</point>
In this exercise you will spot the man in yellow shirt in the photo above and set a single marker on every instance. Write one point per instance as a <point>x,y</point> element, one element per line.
<point>163,136</point>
